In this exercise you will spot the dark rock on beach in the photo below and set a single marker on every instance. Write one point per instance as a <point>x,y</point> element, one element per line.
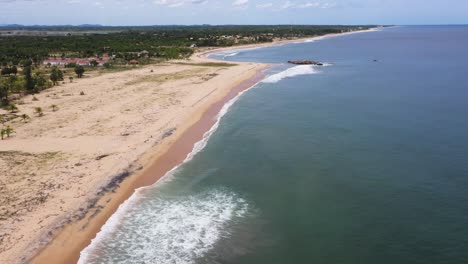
<point>305,62</point>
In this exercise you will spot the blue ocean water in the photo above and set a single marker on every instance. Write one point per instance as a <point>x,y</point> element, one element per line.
<point>364,160</point>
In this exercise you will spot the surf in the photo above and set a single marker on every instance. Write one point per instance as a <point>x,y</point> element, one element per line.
<point>291,72</point>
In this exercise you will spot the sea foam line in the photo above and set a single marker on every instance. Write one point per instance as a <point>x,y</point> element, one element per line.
<point>172,229</point>
<point>113,222</point>
<point>233,52</point>
<point>291,72</point>
<point>230,55</point>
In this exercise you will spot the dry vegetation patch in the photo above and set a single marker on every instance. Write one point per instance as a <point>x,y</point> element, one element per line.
<point>165,77</point>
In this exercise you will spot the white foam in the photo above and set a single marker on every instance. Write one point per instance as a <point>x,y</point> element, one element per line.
<point>200,145</point>
<point>230,55</point>
<point>166,230</point>
<point>234,52</point>
<point>126,208</point>
<point>302,41</point>
<point>291,72</point>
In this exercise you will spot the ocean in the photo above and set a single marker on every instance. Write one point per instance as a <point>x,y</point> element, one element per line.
<point>363,160</point>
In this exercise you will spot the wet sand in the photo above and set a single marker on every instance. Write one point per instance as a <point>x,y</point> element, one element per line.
<point>67,245</point>
<point>68,240</point>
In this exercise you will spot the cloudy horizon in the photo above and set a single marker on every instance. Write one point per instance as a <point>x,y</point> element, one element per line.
<point>216,12</point>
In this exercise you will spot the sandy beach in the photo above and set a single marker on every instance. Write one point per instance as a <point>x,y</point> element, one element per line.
<point>64,168</point>
<point>63,174</point>
<point>277,42</point>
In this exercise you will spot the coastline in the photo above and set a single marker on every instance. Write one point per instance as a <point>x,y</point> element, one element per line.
<point>157,164</point>
<point>204,53</point>
<point>152,164</point>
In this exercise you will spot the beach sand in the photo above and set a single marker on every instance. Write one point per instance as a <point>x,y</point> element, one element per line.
<point>63,174</point>
<point>79,162</point>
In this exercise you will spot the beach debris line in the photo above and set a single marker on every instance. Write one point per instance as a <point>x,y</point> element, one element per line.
<point>305,62</point>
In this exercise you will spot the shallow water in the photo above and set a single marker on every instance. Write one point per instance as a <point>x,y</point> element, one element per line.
<point>361,161</point>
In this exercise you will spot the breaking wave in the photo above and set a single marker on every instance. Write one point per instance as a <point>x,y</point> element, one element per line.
<point>230,55</point>
<point>167,229</point>
<point>206,214</point>
<point>291,72</point>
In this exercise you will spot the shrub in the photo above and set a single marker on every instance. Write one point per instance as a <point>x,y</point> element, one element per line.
<point>38,111</point>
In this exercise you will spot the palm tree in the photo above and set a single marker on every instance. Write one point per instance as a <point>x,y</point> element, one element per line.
<point>9,131</point>
<point>39,111</point>
<point>13,108</point>
<point>25,117</point>
<point>54,107</point>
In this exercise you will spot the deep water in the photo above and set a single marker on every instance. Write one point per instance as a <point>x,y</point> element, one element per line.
<point>361,161</point>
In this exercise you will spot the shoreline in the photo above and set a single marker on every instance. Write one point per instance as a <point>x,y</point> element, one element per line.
<point>157,163</point>
<point>208,51</point>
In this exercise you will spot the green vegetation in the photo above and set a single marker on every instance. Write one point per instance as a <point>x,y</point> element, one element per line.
<point>127,43</point>
<point>56,75</point>
<point>38,111</point>
<point>79,70</point>
<point>25,117</point>
<point>13,108</point>
<point>6,131</point>
<point>22,54</point>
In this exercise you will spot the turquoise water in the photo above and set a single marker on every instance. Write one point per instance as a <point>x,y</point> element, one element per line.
<point>360,161</point>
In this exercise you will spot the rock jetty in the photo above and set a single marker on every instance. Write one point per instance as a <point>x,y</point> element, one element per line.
<point>305,62</point>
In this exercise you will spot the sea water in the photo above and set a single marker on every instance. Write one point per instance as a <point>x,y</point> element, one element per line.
<point>364,160</point>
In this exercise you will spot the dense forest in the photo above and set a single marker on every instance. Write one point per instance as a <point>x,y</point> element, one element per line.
<point>160,41</point>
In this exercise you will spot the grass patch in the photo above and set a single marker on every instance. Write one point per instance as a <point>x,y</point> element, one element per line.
<point>39,160</point>
<point>161,78</point>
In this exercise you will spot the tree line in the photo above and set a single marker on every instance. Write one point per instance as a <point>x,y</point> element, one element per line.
<point>160,41</point>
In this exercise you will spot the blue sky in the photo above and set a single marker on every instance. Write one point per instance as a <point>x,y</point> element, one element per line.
<point>160,12</point>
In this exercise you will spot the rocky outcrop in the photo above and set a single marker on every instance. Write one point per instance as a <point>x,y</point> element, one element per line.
<point>305,62</point>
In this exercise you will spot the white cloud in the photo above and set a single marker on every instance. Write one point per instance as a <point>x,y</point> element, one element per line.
<point>240,3</point>
<point>264,6</point>
<point>99,4</point>
<point>328,5</point>
<point>178,3</point>
<point>324,5</point>
<point>309,5</point>
<point>287,5</point>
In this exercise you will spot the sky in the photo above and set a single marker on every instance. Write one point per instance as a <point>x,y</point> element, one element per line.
<point>217,12</point>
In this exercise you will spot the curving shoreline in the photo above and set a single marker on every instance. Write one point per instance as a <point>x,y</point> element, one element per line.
<point>64,250</point>
<point>156,163</point>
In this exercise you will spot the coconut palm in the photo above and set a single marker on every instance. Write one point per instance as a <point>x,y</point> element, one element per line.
<point>25,117</point>
<point>9,131</point>
<point>39,111</point>
<point>12,108</point>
